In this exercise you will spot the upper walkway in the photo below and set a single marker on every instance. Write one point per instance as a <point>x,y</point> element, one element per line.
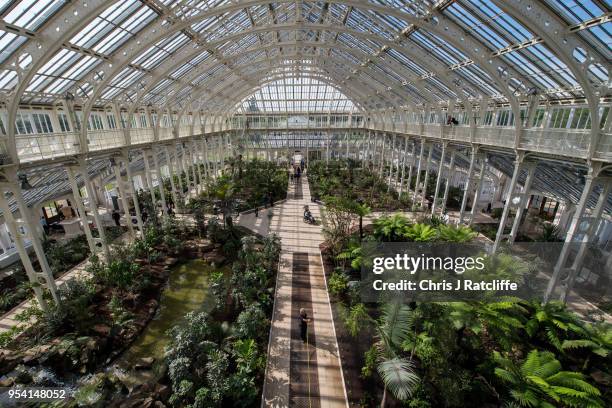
<point>572,143</point>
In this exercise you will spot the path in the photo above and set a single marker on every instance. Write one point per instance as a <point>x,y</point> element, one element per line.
<point>298,374</point>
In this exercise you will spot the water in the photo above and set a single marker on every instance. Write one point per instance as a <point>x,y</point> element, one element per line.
<point>187,291</point>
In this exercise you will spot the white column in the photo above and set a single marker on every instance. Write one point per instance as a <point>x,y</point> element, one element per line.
<point>573,228</point>
<point>439,178</point>
<point>401,183</point>
<point>449,177</point>
<point>468,184</point>
<point>523,200</point>
<point>390,176</point>
<point>410,167</point>
<point>419,169</point>
<point>427,165</point>
<point>595,218</point>
<point>382,157</point>
<point>483,167</point>
<point>160,183</point>
<point>149,178</point>
<point>130,181</point>
<point>171,171</point>
<point>504,217</point>
<point>81,209</point>
<point>123,196</point>
<point>12,227</point>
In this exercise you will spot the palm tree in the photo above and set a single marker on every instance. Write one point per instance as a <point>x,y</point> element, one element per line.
<point>539,382</point>
<point>550,233</point>
<point>397,373</point>
<point>361,210</point>
<point>224,194</point>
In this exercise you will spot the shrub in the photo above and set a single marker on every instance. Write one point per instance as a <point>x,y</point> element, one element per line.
<point>337,283</point>
<point>252,323</point>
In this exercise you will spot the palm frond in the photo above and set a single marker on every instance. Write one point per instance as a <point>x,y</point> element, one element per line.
<point>399,377</point>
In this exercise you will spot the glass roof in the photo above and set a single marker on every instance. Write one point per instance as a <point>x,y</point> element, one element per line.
<point>296,95</point>
<point>161,52</point>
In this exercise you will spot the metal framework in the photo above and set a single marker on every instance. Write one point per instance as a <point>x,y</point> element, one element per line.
<point>174,83</point>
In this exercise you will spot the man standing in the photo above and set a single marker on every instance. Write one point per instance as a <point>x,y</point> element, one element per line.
<point>116,218</point>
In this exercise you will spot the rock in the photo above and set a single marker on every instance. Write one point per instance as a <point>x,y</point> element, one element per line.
<point>23,376</point>
<point>144,363</point>
<point>163,392</point>
<point>8,361</point>
<point>102,330</point>
<point>7,382</point>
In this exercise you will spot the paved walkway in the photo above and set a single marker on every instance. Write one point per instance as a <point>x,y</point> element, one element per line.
<point>298,374</point>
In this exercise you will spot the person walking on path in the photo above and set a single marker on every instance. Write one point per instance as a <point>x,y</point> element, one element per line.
<point>116,218</point>
<point>304,320</point>
<point>256,212</point>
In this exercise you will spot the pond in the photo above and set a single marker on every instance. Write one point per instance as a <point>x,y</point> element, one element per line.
<point>187,291</point>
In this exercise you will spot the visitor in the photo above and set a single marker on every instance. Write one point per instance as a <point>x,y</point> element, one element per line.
<point>256,211</point>
<point>145,216</point>
<point>44,224</point>
<point>455,121</point>
<point>304,320</point>
<point>270,199</point>
<point>291,176</point>
<point>298,172</point>
<point>489,208</point>
<point>116,217</point>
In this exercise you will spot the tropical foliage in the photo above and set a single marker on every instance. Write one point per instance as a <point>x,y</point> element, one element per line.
<point>218,359</point>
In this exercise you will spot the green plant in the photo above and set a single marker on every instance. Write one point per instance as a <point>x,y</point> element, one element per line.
<point>337,283</point>
<point>353,254</point>
<point>456,233</point>
<point>550,233</point>
<point>420,233</point>
<point>391,229</point>
<point>540,382</point>
<point>552,320</point>
<point>361,210</point>
<point>356,318</point>
<point>397,372</point>
<point>597,338</point>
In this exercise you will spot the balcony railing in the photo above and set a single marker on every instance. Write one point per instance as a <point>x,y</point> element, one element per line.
<point>105,139</point>
<point>44,146</point>
<point>564,142</point>
<point>141,135</point>
<point>556,141</point>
